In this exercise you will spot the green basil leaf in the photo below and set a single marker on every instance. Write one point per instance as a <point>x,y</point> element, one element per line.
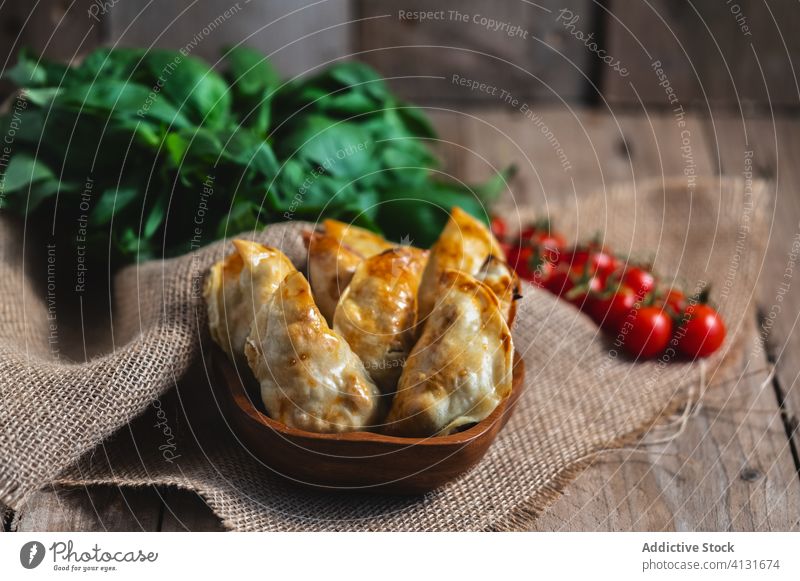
<point>358,76</point>
<point>250,73</point>
<point>242,217</point>
<point>347,104</point>
<point>23,170</point>
<point>156,217</point>
<point>416,121</point>
<point>189,84</point>
<point>491,189</point>
<point>105,64</point>
<point>111,202</point>
<point>42,190</point>
<point>120,98</point>
<point>44,96</point>
<point>340,149</point>
<point>27,72</point>
<point>421,214</point>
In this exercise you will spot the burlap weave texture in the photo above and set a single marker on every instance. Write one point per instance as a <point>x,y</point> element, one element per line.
<point>99,421</point>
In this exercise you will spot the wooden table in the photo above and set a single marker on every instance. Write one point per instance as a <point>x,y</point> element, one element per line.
<point>735,466</point>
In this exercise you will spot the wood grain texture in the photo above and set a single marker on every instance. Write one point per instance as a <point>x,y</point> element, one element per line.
<point>58,29</point>
<point>186,511</point>
<point>6,517</point>
<point>731,468</point>
<point>297,35</point>
<point>537,59</point>
<point>774,145</point>
<point>99,508</point>
<point>720,53</point>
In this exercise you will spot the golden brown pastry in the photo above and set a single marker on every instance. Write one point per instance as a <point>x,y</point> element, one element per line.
<point>238,287</point>
<point>461,367</point>
<point>333,255</point>
<point>378,312</point>
<point>504,282</point>
<point>463,245</point>
<point>310,378</point>
<point>331,265</point>
<point>362,241</point>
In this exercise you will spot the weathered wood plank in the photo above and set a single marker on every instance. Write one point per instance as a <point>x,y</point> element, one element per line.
<point>98,508</point>
<point>775,145</point>
<point>524,49</point>
<point>450,147</point>
<point>710,51</point>
<point>552,150</point>
<point>731,468</point>
<point>186,511</point>
<point>6,516</point>
<point>59,30</point>
<point>302,35</point>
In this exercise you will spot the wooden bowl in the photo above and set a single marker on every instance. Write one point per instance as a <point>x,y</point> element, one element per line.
<point>357,460</point>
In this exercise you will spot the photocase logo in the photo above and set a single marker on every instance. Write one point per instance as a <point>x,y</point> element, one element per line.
<point>31,554</point>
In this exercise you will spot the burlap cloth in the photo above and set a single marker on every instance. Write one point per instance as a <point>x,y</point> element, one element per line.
<point>71,416</point>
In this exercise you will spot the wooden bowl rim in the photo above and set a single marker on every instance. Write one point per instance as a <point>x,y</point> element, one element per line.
<point>244,404</point>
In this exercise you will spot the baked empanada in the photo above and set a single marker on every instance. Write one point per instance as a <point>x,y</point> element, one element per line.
<point>463,245</point>
<point>333,255</point>
<point>331,265</point>
<point>461,367</point>
<point>504,282</point>
<point>377,312</point>
<point>236,289</point>
<point>310,378</point>
<point>362,241</point>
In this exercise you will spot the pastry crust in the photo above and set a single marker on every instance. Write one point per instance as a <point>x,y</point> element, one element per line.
<point>463,245</point>
<point>237,287</point>
<point>362,241</point>
<point>504,282</point>
<point>461,367</point>
<point>333,255</point>
<point>377,313</point>
<point>331,265</point>
<point>310,378</point>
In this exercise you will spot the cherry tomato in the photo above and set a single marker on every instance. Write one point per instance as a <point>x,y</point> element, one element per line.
<point>519,257</point>
<point>604,264</point>
<point>703,331</point>
<point>541,271</point>
<point>647,333</point>
<point>610,309</point>
<point>578,258</point>
<point>528,232</point>
<point>499,227</point>
<point>507,250</point>
<point>548,240</point>
<point>599,259</point>
<point>582,293</point>
<point>639,280</point>
<point>550,243</point>
<point>560,281</point>
<point>674,300</point>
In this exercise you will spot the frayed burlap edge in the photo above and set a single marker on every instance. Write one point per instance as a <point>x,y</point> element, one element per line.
<point>519,517</point>
<point>524,515</point>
